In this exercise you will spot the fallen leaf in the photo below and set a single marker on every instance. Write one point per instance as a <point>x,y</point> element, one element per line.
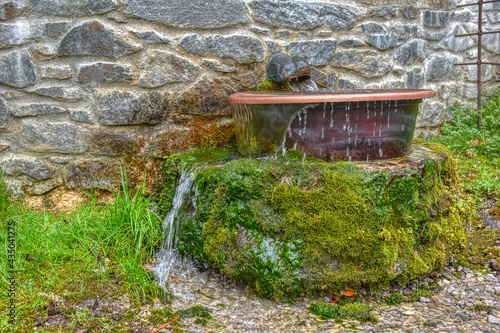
<point>347,293</point>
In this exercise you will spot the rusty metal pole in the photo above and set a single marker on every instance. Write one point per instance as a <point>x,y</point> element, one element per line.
<point>479,59</point>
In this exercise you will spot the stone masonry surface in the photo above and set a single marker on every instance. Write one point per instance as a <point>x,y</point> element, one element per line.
<point>93,83</point>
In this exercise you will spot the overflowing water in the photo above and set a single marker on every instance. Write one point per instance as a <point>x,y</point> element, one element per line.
<point>302,86</point>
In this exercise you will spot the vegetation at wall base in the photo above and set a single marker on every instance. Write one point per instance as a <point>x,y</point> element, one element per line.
<point>477,151</point>
<point>93,252</point>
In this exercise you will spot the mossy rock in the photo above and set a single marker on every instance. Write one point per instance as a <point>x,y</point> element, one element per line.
<point>287,226</point>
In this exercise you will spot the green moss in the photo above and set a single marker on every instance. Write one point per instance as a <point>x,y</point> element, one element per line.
<point>395,299</point>
<point>292,226</point>
<point>268,86</point>
<point>357,311</point>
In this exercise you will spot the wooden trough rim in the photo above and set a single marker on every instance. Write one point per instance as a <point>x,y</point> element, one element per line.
<point>355,95</point>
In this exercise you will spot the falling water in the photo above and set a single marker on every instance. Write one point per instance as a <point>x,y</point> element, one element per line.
<point>298,86</point>
<point>183,208</point>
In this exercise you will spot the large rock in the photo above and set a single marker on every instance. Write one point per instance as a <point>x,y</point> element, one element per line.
<point>17,69</point>
<point>414,78</point>
<point>3,114</point>
<point>9,10</point>
<point>205,14</point>
<point>383,11</point>
<point>37,169</point>
<point>92,174</point>
<point>104,72</point>
<point>115,142</point>
<point>35,110</point>
<point>60,93</point>
<point>371,27</point>
<point>94,39</point>
<point>410,52</point>
<point>432,114</point>
<point>303,15</point>
<point>60,72</point>
<point>54,29</point>
<point>160,68</point>
<point>366,63</point>
<point>459,44</point>
<point>439,67</point>
<point>72,7</point>
<point>317,52</point>
<point>491,42</point>
<point>127,108</point>
<point>14,34</point>
<point>382,42</point>
<point>52,137</point>
<point>436,19</point>
<point>243,49</point>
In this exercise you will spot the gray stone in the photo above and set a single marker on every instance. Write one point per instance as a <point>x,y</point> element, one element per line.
<point>439,67</point>
<point>3,114</point>
<point>94,39</point>
<point>414,78</point>
<point>371,27</point>
<point>206,14</point>
<point>410,52</point>
<point>72,7</point>
<point>60,93</point>
<point>282,34</point>
<point>260,30</point>
<point>9,10</point>
<point>432,114</point>
<point>243,49</point>
<point>60,72</point>
<point>16,69</point>
<point>117,17</point>
<point>493,320</point>
<point>115,142</point>
<point>411,12</point>
<point>273,47</point>
<point>22,165</point>
<point>54,29</point>
<point>486,73</point>
<point>104,72</point>
<point>92,174</point>
<point>3,146</point>
<point>351,42</point>
<point>45,186</point>
<point>35,110</point>
<point>322,79</point>
<point>382,42</point>
<point>160,68</point>
<point>491,42</point>
<point>14,34</point>
<point>459,44</point>
<point>126,108</point>
<point>366,63</point>
<point>347,84</point>
<point>218,67</point>
<point>49,137</point>
<point>436,19</point>
<point>59,159</point>
<point>407,31</point>
<point>316,53</point>
<point>152,37</point>
<point>435,36</point>
<point>303,35</point>
<point>383,11</point>
<point>303,15</point>
<point>81,116</point>
<point>324,34</point>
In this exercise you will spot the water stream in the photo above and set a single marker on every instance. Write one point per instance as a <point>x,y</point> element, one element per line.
<point>183,207</point>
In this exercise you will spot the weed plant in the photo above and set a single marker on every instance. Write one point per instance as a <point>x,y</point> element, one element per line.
<point>94,251</point>
<point>478,152</point>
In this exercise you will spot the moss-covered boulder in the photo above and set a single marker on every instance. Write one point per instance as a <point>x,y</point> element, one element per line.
<point>288,226</point>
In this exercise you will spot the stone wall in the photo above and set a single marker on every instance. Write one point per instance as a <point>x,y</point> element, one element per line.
<point>86,85</point>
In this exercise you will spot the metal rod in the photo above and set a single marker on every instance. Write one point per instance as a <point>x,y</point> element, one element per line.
<point>479,48</point>
<point>475,63</point>
<point>477,33</point>
<point>477,3</point>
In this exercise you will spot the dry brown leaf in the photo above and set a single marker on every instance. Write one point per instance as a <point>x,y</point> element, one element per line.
<point>347,293</point>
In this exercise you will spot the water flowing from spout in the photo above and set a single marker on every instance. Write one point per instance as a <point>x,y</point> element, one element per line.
<point>302,86</point>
